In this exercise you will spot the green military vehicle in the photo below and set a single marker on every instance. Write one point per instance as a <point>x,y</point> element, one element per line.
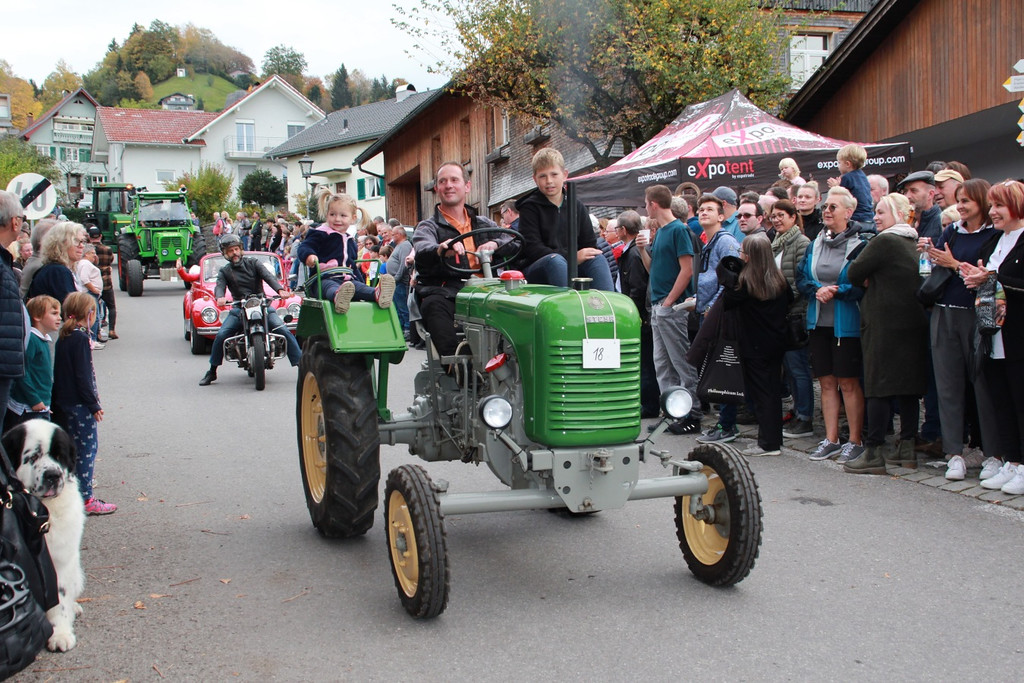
<point>544,390</point>
<point>160,232</point>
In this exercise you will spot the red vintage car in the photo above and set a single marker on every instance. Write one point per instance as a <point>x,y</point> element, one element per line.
<point>202,315</point>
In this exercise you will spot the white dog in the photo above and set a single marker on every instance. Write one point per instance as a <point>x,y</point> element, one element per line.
<point>43,457</point>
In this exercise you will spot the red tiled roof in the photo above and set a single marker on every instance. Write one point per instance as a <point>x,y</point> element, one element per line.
<point>152,126</point>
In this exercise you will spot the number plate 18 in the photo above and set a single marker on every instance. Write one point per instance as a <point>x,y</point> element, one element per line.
<point>601,353</point>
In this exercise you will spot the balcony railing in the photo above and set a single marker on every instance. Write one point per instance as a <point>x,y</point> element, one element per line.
<point>248,148</point>
<point>78,137</point>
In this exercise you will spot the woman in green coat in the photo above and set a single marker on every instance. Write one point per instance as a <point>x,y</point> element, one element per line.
<point>894,335</point>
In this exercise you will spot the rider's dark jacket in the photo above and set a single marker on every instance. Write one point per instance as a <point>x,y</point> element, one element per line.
<point>244,278</point>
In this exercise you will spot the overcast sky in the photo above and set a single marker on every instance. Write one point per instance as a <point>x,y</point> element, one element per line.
<point>358,34</point>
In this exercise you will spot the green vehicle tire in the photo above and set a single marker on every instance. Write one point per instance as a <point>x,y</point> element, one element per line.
<point>135,277</point>
<point>417,542</point>
<point>723,552</point>
<point>339,442</point>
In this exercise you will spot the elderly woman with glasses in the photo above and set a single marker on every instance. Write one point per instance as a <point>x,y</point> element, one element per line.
<point>63,246</point>
<point>833,320</point>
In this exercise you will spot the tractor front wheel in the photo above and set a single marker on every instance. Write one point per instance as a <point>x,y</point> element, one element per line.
<point>136,275</point>
<point>720,551</point>
<point>339,443</point>
<point>417,544</point>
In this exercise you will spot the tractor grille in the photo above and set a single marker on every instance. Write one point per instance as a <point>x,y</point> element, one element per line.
<point>589,400</point>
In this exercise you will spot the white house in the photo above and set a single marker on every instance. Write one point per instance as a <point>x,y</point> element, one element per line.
<point>149,147</point>
<point>335,142</point>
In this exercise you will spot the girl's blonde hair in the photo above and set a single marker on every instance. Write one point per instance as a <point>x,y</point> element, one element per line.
<point>324,199</point>
<point>58,242</point>
<point>77,306</point>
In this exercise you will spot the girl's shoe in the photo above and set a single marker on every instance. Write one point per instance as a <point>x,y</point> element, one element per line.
<point>95,506</point>
<point>343,297</point>
<point>385,290</point>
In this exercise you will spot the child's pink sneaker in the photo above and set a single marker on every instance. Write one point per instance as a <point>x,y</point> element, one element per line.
<point>95,506</point>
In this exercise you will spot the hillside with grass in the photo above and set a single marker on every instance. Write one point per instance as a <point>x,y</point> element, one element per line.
<point>212,90</point>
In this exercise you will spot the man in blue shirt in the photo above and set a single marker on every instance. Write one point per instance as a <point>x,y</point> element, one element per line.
<point>671,273</point>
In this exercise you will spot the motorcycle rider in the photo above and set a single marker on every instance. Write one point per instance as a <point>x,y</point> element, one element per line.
<point>244,275</point>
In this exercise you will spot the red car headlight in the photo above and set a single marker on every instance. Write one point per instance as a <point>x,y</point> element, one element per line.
<point>209,315</point>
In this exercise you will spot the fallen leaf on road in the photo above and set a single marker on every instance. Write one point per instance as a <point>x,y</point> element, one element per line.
<point>139,605</point>
<point>225,581</point>
<point>886,575</point>
<point>244,517</point>
<point>160,595</point>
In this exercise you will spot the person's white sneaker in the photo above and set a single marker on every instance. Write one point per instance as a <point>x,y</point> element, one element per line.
<point>1005,474</point>
<point>956,468</point>
<point>990,468</point>
<point>1015,486</point>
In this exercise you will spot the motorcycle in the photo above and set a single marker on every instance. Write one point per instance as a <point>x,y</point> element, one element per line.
<point>256,348</point>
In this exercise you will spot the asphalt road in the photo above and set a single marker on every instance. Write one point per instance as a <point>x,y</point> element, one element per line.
<point>212,571</point>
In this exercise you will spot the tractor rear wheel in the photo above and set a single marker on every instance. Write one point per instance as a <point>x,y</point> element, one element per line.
<point>417,543</point>
<point>721,551</point>
<point>339,443</point>
<point>127,249</point>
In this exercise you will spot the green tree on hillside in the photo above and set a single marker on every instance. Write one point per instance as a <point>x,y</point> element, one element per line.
<point>341,96</point>
<point>61,79</point>
<point>605,70</point>
<point>286,63</point>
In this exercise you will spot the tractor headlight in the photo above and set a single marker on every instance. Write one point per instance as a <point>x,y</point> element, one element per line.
<point>177,252</point>
<point>676,402</point>
<point>209,315</point>
<point>164,252</point>
<point>293,311</point>
<point>496,412</point>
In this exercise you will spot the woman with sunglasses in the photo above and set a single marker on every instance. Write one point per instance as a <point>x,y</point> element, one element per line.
<point>1003,367</point>
<point>833,319</point>
<point>894,336</point>
<point>789,247</point>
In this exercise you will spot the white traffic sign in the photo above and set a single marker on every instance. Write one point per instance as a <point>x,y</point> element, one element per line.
<point>1014,84</point>
<point>1019,66</point>
<point>46,199</point>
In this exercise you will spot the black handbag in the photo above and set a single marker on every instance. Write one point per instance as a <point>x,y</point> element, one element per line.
<point>24,522</point>
<point>797,335</point>
<point>990,306</point>
<point>935,284</point>
<point>721,375</point>
<point>24,629</point>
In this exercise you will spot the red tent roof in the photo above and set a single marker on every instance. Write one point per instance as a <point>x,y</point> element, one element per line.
<point>725,141</point>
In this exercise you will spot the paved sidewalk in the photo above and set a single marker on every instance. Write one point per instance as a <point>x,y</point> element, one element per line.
<point>926,474</point>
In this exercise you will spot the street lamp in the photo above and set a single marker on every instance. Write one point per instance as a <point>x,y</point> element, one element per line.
<point>306,169</point>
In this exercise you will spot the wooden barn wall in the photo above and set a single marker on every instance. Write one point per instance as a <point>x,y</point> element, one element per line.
<point>414,153</point>
<point>946,59</point>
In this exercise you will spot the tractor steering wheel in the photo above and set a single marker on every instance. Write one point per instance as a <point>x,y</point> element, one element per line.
<point>507,258</point>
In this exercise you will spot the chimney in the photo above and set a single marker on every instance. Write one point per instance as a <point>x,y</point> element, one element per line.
<point>403,91</point>
<point>29,119</point>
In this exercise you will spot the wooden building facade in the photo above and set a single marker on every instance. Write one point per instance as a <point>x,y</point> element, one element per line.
<point>929,72</point>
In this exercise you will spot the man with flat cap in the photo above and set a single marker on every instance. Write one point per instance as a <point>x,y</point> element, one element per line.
<point>919,188</point>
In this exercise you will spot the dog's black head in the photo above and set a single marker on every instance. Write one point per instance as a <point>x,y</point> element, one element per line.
<point>42,454</point>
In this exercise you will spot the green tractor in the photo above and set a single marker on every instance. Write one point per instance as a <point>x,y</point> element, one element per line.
<point>544,390</point>
<point>111,210</point>
<point>159,233</point>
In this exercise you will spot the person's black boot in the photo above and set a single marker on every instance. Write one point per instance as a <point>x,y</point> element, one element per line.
<point>209,377</point>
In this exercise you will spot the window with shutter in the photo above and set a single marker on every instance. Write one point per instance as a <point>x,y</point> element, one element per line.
<point>361,188</point>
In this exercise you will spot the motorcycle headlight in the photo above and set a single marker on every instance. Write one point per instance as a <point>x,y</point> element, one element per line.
<point>496,412</point>
<point>676,402</point>
<point>209,315</point>
<point>252,302</point>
